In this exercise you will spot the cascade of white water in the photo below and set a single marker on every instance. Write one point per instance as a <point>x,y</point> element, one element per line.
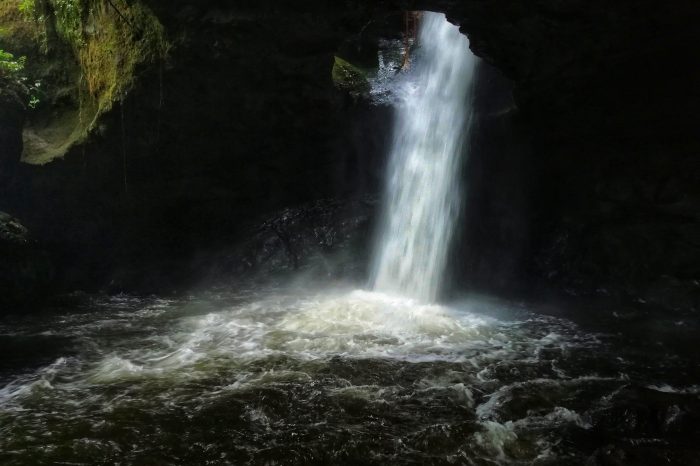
<point>422,196</point>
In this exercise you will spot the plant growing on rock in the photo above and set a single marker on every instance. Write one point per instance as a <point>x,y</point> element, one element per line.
<point>83,56</point>
<point>11,67</point>
<point>28,7</point>
<point>69,20</point>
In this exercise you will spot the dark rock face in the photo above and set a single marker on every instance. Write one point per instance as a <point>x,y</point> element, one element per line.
<point>12,116</point>
<point>242,120</point>
<point>12,232</point>
<point>329,239</point>
<point>598,193</point>
<point>605,95</point>
<point>25,271</point>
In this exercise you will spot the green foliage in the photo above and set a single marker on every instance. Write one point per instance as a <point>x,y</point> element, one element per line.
<point>121,37</point>
<point>34,93</point>
<point>22,25</point>
<point>11,67</point>
<point>83,53</point>
<point>349,77</point>
<point>28,8</point>
<point>69,20</point>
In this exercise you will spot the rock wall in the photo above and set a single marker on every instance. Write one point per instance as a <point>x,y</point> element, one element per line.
<point>598,193</point>
<point>606,96</point>
<point>12,116</point>
<point>242,119</point>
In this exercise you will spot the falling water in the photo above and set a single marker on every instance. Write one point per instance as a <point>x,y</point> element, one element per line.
<point>422,194</point>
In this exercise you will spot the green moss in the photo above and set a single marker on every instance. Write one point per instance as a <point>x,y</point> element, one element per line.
<point>98,46</point>
<point>110,40</point>
<point>113,47</point>
<point>349,77</point>
<point>19,30</point>
<point>69,19</point>
<point>27,8</point>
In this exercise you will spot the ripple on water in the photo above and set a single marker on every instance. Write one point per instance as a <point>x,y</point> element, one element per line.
<point>347,377</point>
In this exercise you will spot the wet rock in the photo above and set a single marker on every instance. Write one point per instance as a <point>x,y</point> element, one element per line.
<point>25,270</point>
<point>613,177</point>
<point>12,232</point>
<point>648,261</point>
<point>244,119</point>
<point>326,237</point>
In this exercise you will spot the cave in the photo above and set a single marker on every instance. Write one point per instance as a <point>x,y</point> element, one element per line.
<point>388,232</point>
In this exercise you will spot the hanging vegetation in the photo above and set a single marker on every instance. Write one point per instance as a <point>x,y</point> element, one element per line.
<point>85,55</point>
<point>110,40</point>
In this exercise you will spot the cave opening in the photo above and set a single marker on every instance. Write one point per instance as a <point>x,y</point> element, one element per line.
<point>369,233</point>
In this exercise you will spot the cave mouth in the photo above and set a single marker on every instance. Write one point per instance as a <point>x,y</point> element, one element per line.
<point>286,353</point>
<point>319,360</point>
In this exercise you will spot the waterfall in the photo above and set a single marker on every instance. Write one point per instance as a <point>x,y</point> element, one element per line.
<point>422,196</point>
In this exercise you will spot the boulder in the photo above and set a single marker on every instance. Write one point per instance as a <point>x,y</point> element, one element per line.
<point>328,238</point>
<point>25,271</point>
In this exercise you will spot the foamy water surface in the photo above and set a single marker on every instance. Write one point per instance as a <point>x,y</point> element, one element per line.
<point>286,376</point>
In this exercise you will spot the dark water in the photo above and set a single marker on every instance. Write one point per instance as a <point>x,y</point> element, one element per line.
<point>286,376</point>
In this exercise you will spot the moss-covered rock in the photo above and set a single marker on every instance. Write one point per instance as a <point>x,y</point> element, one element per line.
<point>82,55</point>
<point>350,78</point>
<point>18,30</point>
<point>115,39</point>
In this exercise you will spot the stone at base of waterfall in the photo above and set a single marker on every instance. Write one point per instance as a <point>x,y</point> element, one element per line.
<point>26,272</point>
<point>327,238</point>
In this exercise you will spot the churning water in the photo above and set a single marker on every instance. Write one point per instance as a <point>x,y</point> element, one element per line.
<point>301,377</point>
<point>423,193</point>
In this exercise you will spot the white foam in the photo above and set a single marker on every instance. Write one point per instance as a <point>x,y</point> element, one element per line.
<point>558,416</point>
<point>666,388</point>
<point>28,385</point>
<point>358,324</point>
<point>496,436</point>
